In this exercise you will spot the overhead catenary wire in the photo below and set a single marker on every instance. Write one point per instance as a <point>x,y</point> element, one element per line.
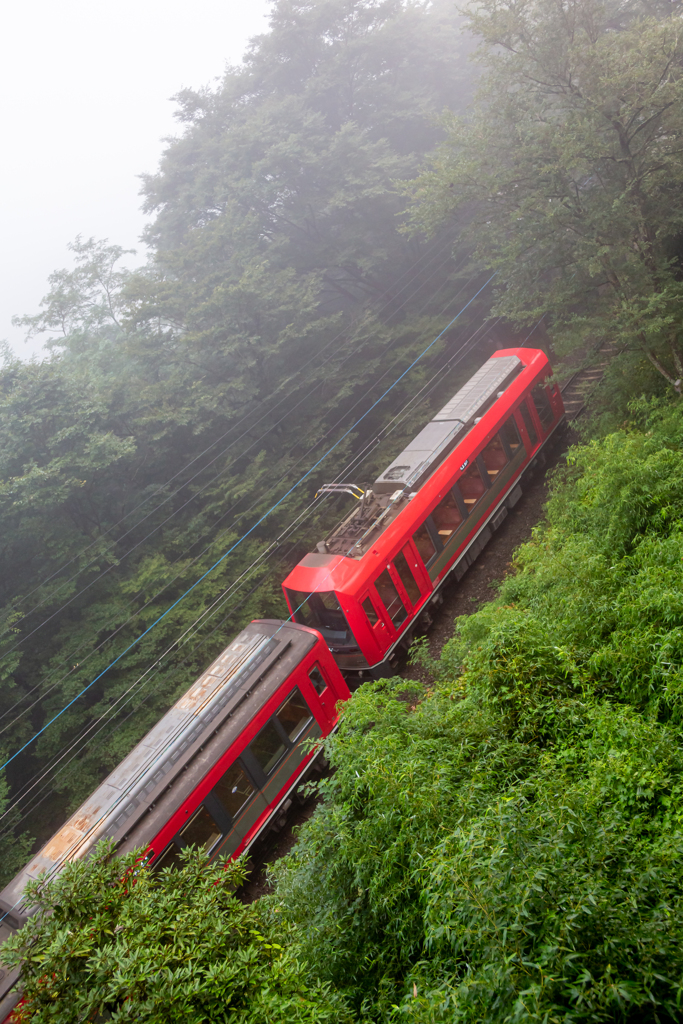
<point>196,494</point>
<point>441,244</point>
<point>251,530</point>
<point>196,558</point>
<point>219,602</point>
<point>263,556</point>
<point>76,746</point>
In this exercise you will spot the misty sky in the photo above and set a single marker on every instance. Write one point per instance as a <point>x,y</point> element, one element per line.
<point>86,87</point>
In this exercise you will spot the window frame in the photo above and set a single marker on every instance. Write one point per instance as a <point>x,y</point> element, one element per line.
<point>407,606</point>
<point>222,819</point>
<point>316,666</point>
<point>521,422</point>
<point>412,604</point>
<point>506,444</point>
<point>430,526</point>
<point>248,759</point>
<point>373,597</point>
<point>541,386</point>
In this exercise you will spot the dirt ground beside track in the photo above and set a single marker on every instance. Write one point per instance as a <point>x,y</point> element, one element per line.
<point>477,586</point>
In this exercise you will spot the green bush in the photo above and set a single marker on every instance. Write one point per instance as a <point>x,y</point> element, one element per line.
<point>114,941</point>
<point>506,844</point>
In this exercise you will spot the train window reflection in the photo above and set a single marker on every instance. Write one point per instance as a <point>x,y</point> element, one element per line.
<point>424,543</point>
<point>322,611</point>
<point>294,714</point>
<point>472,487</point>
<point>318,679</point>
<point>447,517</point>
<point>529,424</point>
<point>510,436</point>
<point>169,858</point>
<point>201,830</point>
<point>389,597</point>
<point>268,747</point>
<point>494,458</point>
<point>543,406</point>
<point>233,789</point>
<point>369,609</point>
<point>407,578</point>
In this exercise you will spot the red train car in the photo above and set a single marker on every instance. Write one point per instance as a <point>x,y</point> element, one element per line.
<point>216,771</point>
<point>428,515</point>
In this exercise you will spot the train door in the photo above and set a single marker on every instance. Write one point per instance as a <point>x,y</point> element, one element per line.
<point>326,695</point>
<point>409,578</point>
<point>398,590</point>
<point>418,565</point>
<point>394,607</point>
<point>375,614</point>
<point>527,426</point>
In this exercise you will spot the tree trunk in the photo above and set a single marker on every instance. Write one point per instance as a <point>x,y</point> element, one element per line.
<point>674,382</point>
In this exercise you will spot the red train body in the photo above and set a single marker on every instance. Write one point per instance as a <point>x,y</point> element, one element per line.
<point>367,585</point>
<point>215,771</point>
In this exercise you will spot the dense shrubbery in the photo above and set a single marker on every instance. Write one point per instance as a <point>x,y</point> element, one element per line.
<point>112,941</point>
<point>506,844</point>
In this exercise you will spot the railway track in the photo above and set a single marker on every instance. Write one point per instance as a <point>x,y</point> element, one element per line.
<point>578,389</point>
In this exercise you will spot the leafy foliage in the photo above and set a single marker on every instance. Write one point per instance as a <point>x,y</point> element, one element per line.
<point>505,844</point>
<point>571,168</point>
<point>113,941</point>
<point>182,400</point>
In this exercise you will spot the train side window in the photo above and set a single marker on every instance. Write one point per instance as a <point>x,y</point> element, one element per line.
<point>268,747</point>
<point>389,597</point>
<point>426,548</point>
<point>321,611</point>
<point>201,830</point>
<point>407,578</point>
<point>494,457</point>
<point>529,424</point>
<point>169,858</point>
<point>472,487</point>
<point>318,679</point>
<point>233,789</point>
<point>509,435</point>
<point>447,517</point>
<point>543,406</point>
<point>294,714</point>
<point>369,609</point>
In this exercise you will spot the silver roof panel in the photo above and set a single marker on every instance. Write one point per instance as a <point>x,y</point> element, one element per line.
<point>426,452</point>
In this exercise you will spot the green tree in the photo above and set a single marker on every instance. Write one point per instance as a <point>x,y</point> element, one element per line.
<point>571,169</point>
<point>113,941</point>
<point>181,400</point>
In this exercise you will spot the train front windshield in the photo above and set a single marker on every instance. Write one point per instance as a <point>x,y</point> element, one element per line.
<point>322,612</point>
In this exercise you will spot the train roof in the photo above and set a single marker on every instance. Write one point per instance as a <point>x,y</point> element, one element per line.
<point>449,426</point>
<point>256,663</point>
<point>399,483</point>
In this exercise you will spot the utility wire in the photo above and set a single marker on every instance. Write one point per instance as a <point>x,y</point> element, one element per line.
<point>197,557</point>
<point>228,596</point>
<point>195,495</point>
<point>77,745</point>
<point>442,244</point>
<point>251,530</point>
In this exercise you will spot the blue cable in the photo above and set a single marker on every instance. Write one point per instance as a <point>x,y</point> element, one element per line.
<point>244,536</point>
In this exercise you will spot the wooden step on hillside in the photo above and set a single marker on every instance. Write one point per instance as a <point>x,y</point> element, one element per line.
<point>577,389</point>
